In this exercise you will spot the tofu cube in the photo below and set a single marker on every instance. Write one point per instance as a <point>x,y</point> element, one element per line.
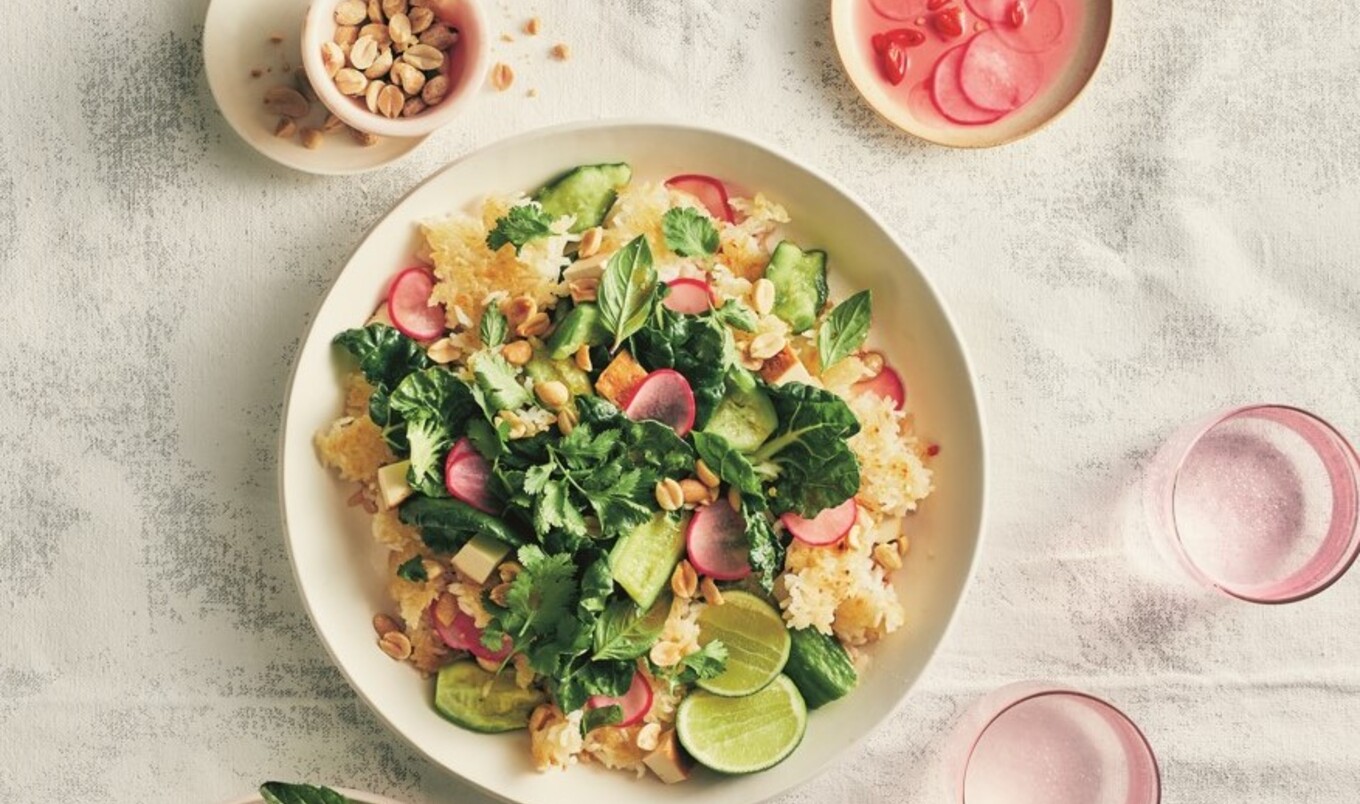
<point>392,485</point>
<point>785,367</point>
<point>480,557</point>
<point>620,377</point>
<point>669,761</point>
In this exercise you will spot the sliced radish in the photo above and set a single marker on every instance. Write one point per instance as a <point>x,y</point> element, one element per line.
<point>948,95</point>
<point>887,384</point>
<point>993,76</point>
<point>635,703</point>
<point>993,10</point>
<point>1041,25</point>
<point>716,542</point>
<point>690,296</point>
<point>463,634</point>
<point>710,192</point>
<point>467,477</point>
<point>663,396</point>
<point>828,527</point>
<point>900,9</point>
<point>408,305</point>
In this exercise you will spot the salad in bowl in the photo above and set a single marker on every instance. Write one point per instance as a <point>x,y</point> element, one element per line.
<point>642,485</point>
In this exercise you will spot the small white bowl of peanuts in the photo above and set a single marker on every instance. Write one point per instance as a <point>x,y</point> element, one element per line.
<point>395,68</point>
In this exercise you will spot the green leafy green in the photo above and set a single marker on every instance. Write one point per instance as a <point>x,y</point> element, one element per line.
<point>625,632</point>
<point>708,662</point>
<point>285,793</point>
<point>727,462</point>
<point>766,555</point>
<point>689,232</point>
<point>413,570</point>
<point>736,315</point>
<point>494,326</point>
<point>845,329</point>
<point>385,356</point>
<point>437,408</point>
<point>499,383</point>
<point>697,346</point>
<point>627,290</point>
<point>520,225</point>
<point>446,524</point>
<point>808,458</point>
<point>611,715</point>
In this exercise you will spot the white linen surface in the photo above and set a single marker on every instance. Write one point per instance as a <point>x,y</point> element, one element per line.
<point>1185,238</point>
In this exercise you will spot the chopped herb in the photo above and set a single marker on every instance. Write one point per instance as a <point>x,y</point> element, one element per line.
<point>494,326</point>
<point>413,570</point>
<point>689,232</point>
<point>520,225</point>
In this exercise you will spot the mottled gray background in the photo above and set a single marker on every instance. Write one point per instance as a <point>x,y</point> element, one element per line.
<point>1187,237</point>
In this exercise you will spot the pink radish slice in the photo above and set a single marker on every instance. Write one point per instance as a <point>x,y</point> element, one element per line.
<point>900,9</point>
<point>463,634</point>
<point>467,476</point>
<point>663,396</point>
<point>690,296</point>
<point>887,384</point>
<point>1042,26</point>
<point>408,305</point>
<point>948,95</point>
<point>716,542</point>
<point>998,11</point>
<point>635,703</point>
<point>710,192</point>
<point>828,527</point>
<point>996,77</point>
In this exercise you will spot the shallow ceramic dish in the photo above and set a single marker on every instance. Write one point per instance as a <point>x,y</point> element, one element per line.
<point>852,43</point>
<point>353,795</point>
<point>235,41</point>
<point>340,572</point>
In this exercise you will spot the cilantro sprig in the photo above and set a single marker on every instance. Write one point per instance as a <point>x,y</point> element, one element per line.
<point>519,226</point>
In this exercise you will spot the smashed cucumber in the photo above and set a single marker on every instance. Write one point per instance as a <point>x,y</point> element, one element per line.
<point>580,327</point>
<point>471,697</point>
<point>799,279</point>
<point>644,558</point>
<point>544,369</point>
<point>745,417</point>
<point>819,666</point>
<point>586,193</point>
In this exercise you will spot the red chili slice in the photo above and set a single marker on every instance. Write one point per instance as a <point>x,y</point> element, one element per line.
<point>891,47</point>
<point>949,23</point>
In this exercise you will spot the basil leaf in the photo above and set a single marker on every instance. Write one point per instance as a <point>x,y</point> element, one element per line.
<point>494,326</point>
<point>689,232</point>
<point>627,290</point>
<point>446,524</point>
<point>625,632</point>
<point>413,570</point>
<point>845,329</point>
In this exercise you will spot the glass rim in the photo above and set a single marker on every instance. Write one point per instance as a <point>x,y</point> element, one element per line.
<point>1333,573</point>
<point>1045,690</point>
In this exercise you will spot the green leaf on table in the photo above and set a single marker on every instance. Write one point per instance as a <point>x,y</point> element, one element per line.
<point>689,232</point>
<point>845,329</point>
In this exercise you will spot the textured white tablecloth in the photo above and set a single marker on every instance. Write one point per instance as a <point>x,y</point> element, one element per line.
<point>1186,237</point>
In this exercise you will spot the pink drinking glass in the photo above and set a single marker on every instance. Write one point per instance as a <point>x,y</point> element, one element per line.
<point>1039,743</point>
<point>1260,502</point>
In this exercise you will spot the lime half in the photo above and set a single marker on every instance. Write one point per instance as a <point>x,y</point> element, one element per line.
<point>743,735</point>
<point>756,639</point>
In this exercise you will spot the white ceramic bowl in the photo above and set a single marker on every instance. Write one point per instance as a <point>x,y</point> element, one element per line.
<point>466,69</point>
<point>341,573</point>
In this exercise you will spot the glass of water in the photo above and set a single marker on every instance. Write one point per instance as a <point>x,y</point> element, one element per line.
<point>1258,502</point>
<point>1040,743</point>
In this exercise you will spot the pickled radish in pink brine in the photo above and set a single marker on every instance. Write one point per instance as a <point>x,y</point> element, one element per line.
<point>994,10</point>
<point>947,93</point>
<point>1039,29</point>
<point>900,9</point>
<point>994,76</point>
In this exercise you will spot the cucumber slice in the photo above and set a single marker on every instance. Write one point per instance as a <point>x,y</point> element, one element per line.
<point>745,417</point>
<point>820,667</point>
<point>644,558</point>
<point>586,192</point>
<point>542,369</point>
<point>799,279</point>
<point>580,327</point>
<point>461,694</point>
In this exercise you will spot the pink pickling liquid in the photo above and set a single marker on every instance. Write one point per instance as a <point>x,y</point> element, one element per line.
<point>1059,749</point>
<point>1033,54</point>
<point>1252,502</point>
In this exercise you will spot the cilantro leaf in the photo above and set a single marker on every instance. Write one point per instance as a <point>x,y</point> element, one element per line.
<point>542,594</point>
<point>628,290</point>
<point>494,326</point>
<point>845,329</point>
<point>519,226</point>
<point>708,662</point>
<point>498,382</point>
<point>413,570</point>
<point>767,552</point>
<point>689,232</point>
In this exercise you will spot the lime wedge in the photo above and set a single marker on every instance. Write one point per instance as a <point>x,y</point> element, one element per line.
<point>742,735</point>
<point>756,639</point>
